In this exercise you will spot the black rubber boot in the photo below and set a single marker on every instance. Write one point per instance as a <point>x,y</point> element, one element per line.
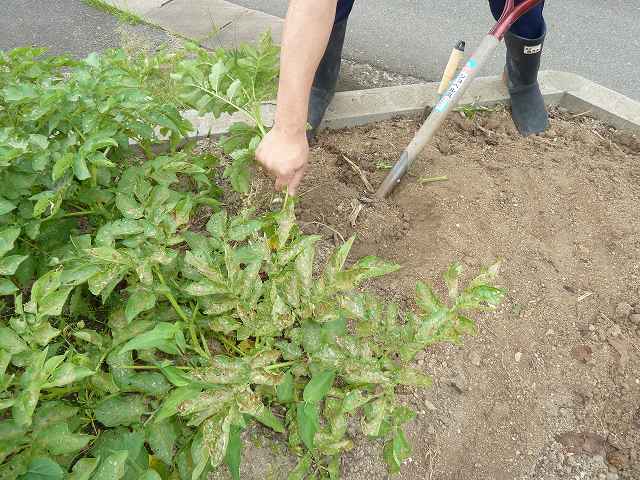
<point>527,104</point>
<point>324,83</point>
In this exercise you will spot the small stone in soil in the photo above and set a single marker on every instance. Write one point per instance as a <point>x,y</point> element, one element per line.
<point>582,353</point>
<point>474,358</point>
<point>615,331</point>
<point>459,382</point>
<point>623,310</point>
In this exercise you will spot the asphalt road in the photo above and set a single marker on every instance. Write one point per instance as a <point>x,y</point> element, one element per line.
<point>67,26</point>
<point>596,39</point>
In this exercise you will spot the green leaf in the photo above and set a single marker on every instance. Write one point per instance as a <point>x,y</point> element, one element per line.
<point>216,74</point>
<point>411,376</point>
<point>162,439</point>
<point>174,400</point>
<point>43,468</point>
<point>303,466</point>
<point>161,337</point>
<point>150,475</point>
<point>233,89</point>
<point>308,422</point>
<point>266,417</point>
<point>44,200</point>
<point>286,390</point>
<point>38,141</point>
<point>487,275</point>
<point>427,300</point>
<point>7,287</point>
<point>128,206</point>
<point>354,400</point>
<point>7,237</point>
<point>451,278</point>
<point>52,412</point>
<point>120,410</point>
<point>80,169</point>
<point>11,342</point>
<point>206,287</point>
<point>175,376</point>
<point>318,386</point>
<point>117,229</point>
<point>224,371</point>
<point>6,206</point>
<point>215,435</point>
<point>112,467</point>
<point>78,275</point>
<point>336,261</point>
<point>466,325</point>
<point>239,172</point>
<point>200,457</point>
<point>68,373</point>
<point>44,333</point>
<point>52,303</point>
<point>58,440</point>
<point>121,440</point>
<point>375,415</point>
<point>61,166</point>
<point>234,452</point>
<point>396,451</point>
<point>217,224</point>
<point>17,93</point>
<point>139,301</point>
<point>83,469</point>
<point>286,219</point>
<point>240,229</point>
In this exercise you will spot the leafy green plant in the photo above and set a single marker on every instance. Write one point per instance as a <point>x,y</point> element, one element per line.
<point>143,327</point>
<point>230,81</point>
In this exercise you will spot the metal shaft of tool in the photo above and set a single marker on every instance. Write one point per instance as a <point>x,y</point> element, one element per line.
<point>439,113</point>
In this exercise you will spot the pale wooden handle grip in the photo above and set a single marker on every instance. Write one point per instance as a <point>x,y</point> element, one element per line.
<point>455,59</point>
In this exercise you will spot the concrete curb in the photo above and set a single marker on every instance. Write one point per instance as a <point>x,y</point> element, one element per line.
<point>360,107</point>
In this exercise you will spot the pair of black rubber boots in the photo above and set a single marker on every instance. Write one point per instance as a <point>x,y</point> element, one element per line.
<point>521,70</point>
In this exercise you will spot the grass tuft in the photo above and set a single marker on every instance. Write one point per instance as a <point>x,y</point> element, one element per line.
<point>122,15</point>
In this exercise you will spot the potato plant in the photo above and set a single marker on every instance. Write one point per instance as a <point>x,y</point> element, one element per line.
<point>143,327</point>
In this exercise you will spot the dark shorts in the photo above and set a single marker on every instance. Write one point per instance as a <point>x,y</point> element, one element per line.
<point>530,25</point>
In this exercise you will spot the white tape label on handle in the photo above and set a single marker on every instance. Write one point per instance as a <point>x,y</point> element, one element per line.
<point>532,49</point>
<point>453,89</point>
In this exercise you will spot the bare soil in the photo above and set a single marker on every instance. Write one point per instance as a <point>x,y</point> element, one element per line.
<point>550,387</point>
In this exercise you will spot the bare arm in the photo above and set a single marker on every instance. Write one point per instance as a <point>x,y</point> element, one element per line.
<point>284,151</point>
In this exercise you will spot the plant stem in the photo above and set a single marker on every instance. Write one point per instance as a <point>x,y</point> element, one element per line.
<point>230,103</point>
<point>60,392</point>
<point>229,345</point>
<point>275,366</point>
<point>434,179</point>
<point>181,314</point>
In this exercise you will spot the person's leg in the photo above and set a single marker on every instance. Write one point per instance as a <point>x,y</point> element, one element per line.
<point>324,83</point>
<point>524,43</point>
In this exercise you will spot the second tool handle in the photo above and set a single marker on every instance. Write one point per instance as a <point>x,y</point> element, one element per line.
<point>456,57</point>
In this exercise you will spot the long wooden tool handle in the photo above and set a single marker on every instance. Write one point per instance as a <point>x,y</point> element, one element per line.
<point>439,113</point>
<point>456,57</point>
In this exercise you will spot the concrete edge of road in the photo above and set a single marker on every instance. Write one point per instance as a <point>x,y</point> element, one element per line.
<point>360,107</point>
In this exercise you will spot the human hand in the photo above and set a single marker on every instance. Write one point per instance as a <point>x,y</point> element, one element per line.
<point>284,154</point>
